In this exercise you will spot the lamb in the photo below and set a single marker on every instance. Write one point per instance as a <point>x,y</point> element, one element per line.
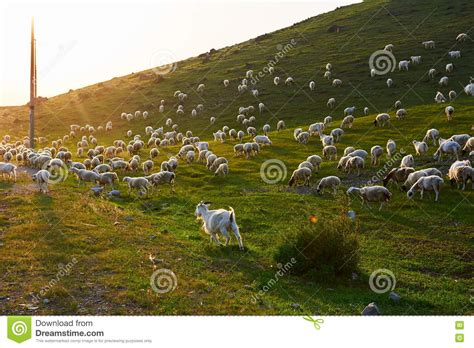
<point>426,183</point>
<point>262,140</point>
<point>328,182</point>
<point>413,177</point>
<point>223,169</point>
<point>141,184</point>
<point>315,160</point>
<point>432,134</point>
<point>449,69</point>
<point>407,161</point>
<point>354,163</point>
<point>398,175</point>
<point>331,103</point>
<point>449,111</point>
<point>449,147</point>
<point>330,152</point>
<point>403,65</point>
<point>372,194</point>
<point>336,83</point>
<point>220,220</point>
<point>42,179</point>
<point>375,154</point>
<point>443,82</point>
<point>300,175</point>
<point>162,178</point>
<point>347,122</point>
<point>391,148</point>
<point>381,119</point>
<point>280,125</point>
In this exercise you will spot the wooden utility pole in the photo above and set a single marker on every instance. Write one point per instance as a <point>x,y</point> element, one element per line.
<point>32,85</point>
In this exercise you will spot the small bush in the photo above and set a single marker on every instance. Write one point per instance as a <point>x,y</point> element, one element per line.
<point>327,248</point>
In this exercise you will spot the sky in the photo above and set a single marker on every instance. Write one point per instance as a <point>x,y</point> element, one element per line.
<point>79,44</point>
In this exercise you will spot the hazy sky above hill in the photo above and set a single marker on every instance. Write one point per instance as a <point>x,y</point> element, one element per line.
<point>81,44</point>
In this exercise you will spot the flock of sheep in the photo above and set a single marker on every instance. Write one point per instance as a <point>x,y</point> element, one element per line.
<point>101,164</point>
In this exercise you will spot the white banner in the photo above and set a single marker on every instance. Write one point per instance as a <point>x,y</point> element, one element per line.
<point>278,331</point>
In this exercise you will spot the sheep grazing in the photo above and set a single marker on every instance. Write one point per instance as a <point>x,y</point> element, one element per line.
<point>454,54</point>
<point>8,170</point>
<point>379,194</point>
<point>84,175</point>
<point>398,104</point>
<point>316,128</point>
<point>163,178</point>
<point>415,60</point>
<point>289,81</point>
<point>366,111</point>
<point>449,68</point>
<point>400,114</point>
<point>42,179</point>
<point>443,82</point>
<point>358,152</point>
<point>403,65</point>
<point>347,122</point>
<point>327,121</point>
<point>349,110</point>
<point>332,182</point>
<point>426,183</point>
<point>375,154</point>
<point>449,111</point>
<point>432,134</point>
<point>300,175</point>
<point>391,148</point>
<point>452,95</point>
<point>328,66</point>
<point>469,89</point>
<point>226,83</point>
<point>266,129</point>
<point>373,72</point>
<point>468,146</point>
<point>141,184</point>
<point>407,161</point>
<point>462,37</point>
<point>348,150</point>
<point>421,147</point>
<point>337,133</point>
<point>439,97</point>
<point>262,140</point>
<point>432,73</point>
<point>413,177</point>
<point>398,175</point>
<point>389,82</point>
<point>354,163</point>
<point>312,85</point>
<point>337,83</point>
<point>331,103</point>
<point>315,160</point>
<point>220,220</point>
<point>428,44</point>
<point>448,147</point>
<point>147,166</point>
<point>327,75</point>
<point>303,138</point>
<point>381,120</point>
<point>280,125</point>
<point>109,178</point>
<point>222,170</point>
<point>330,152</point>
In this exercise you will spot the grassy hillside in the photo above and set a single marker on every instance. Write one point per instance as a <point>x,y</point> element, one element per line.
<point>427,245</point>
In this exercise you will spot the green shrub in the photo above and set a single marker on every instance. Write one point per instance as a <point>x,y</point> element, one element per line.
<point>327,248</point>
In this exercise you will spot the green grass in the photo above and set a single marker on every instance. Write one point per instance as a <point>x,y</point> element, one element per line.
<point>427,245</point>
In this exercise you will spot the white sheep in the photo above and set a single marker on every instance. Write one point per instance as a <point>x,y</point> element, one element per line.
<point>372,194</point>
<point>42,179</point>
<point>9,170</point>
<point>330,152</point>
<point>141,184</point>
<point>462,37</point>
<point>337,133</point>
<point>315,160</point>
<point>403,65</point>
<point>337,83</point>
<point>312,85</point>
<point>443,82</point>
<point>449,68</point>
<point>328,182</point>
<point>415,60</point>
<point>400,114</point>
<point>347,122</point>
<point>276,80</point>
<point>389,82</point>
<point>303,138</point>
<point>300,175</point>
<point>266,129</point>
<point>289,81</point>
<point>449,111</point>
<point>439,97</point>
<point>349,110</point>
<point>331,103</point>
<point>452,95</point>
<point>366,111</point>
<point>381,119</point>
<point>407,161</point>
<point>327,75</point>
<point>354,163</point>
<point>220,220</point>
<point>448,147</point>
<point>262,140</point>
<point>469,89</point>
<point>432,73</point>
<point>375,154</point>
<point>280,125</point>
<point>414,176</point>
<point>426,183</point>
<point>226,83</point>
<point>421,147</point>
<point>162,178</point>
<point>223,169</point>
<point>327,121</point>
<point>428,44</point>
<point>454,54</point>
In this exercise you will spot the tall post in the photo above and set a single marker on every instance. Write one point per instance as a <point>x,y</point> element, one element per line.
<point>32,85</point>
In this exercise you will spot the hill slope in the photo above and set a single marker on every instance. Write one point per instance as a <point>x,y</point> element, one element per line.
<point>427,246</point>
